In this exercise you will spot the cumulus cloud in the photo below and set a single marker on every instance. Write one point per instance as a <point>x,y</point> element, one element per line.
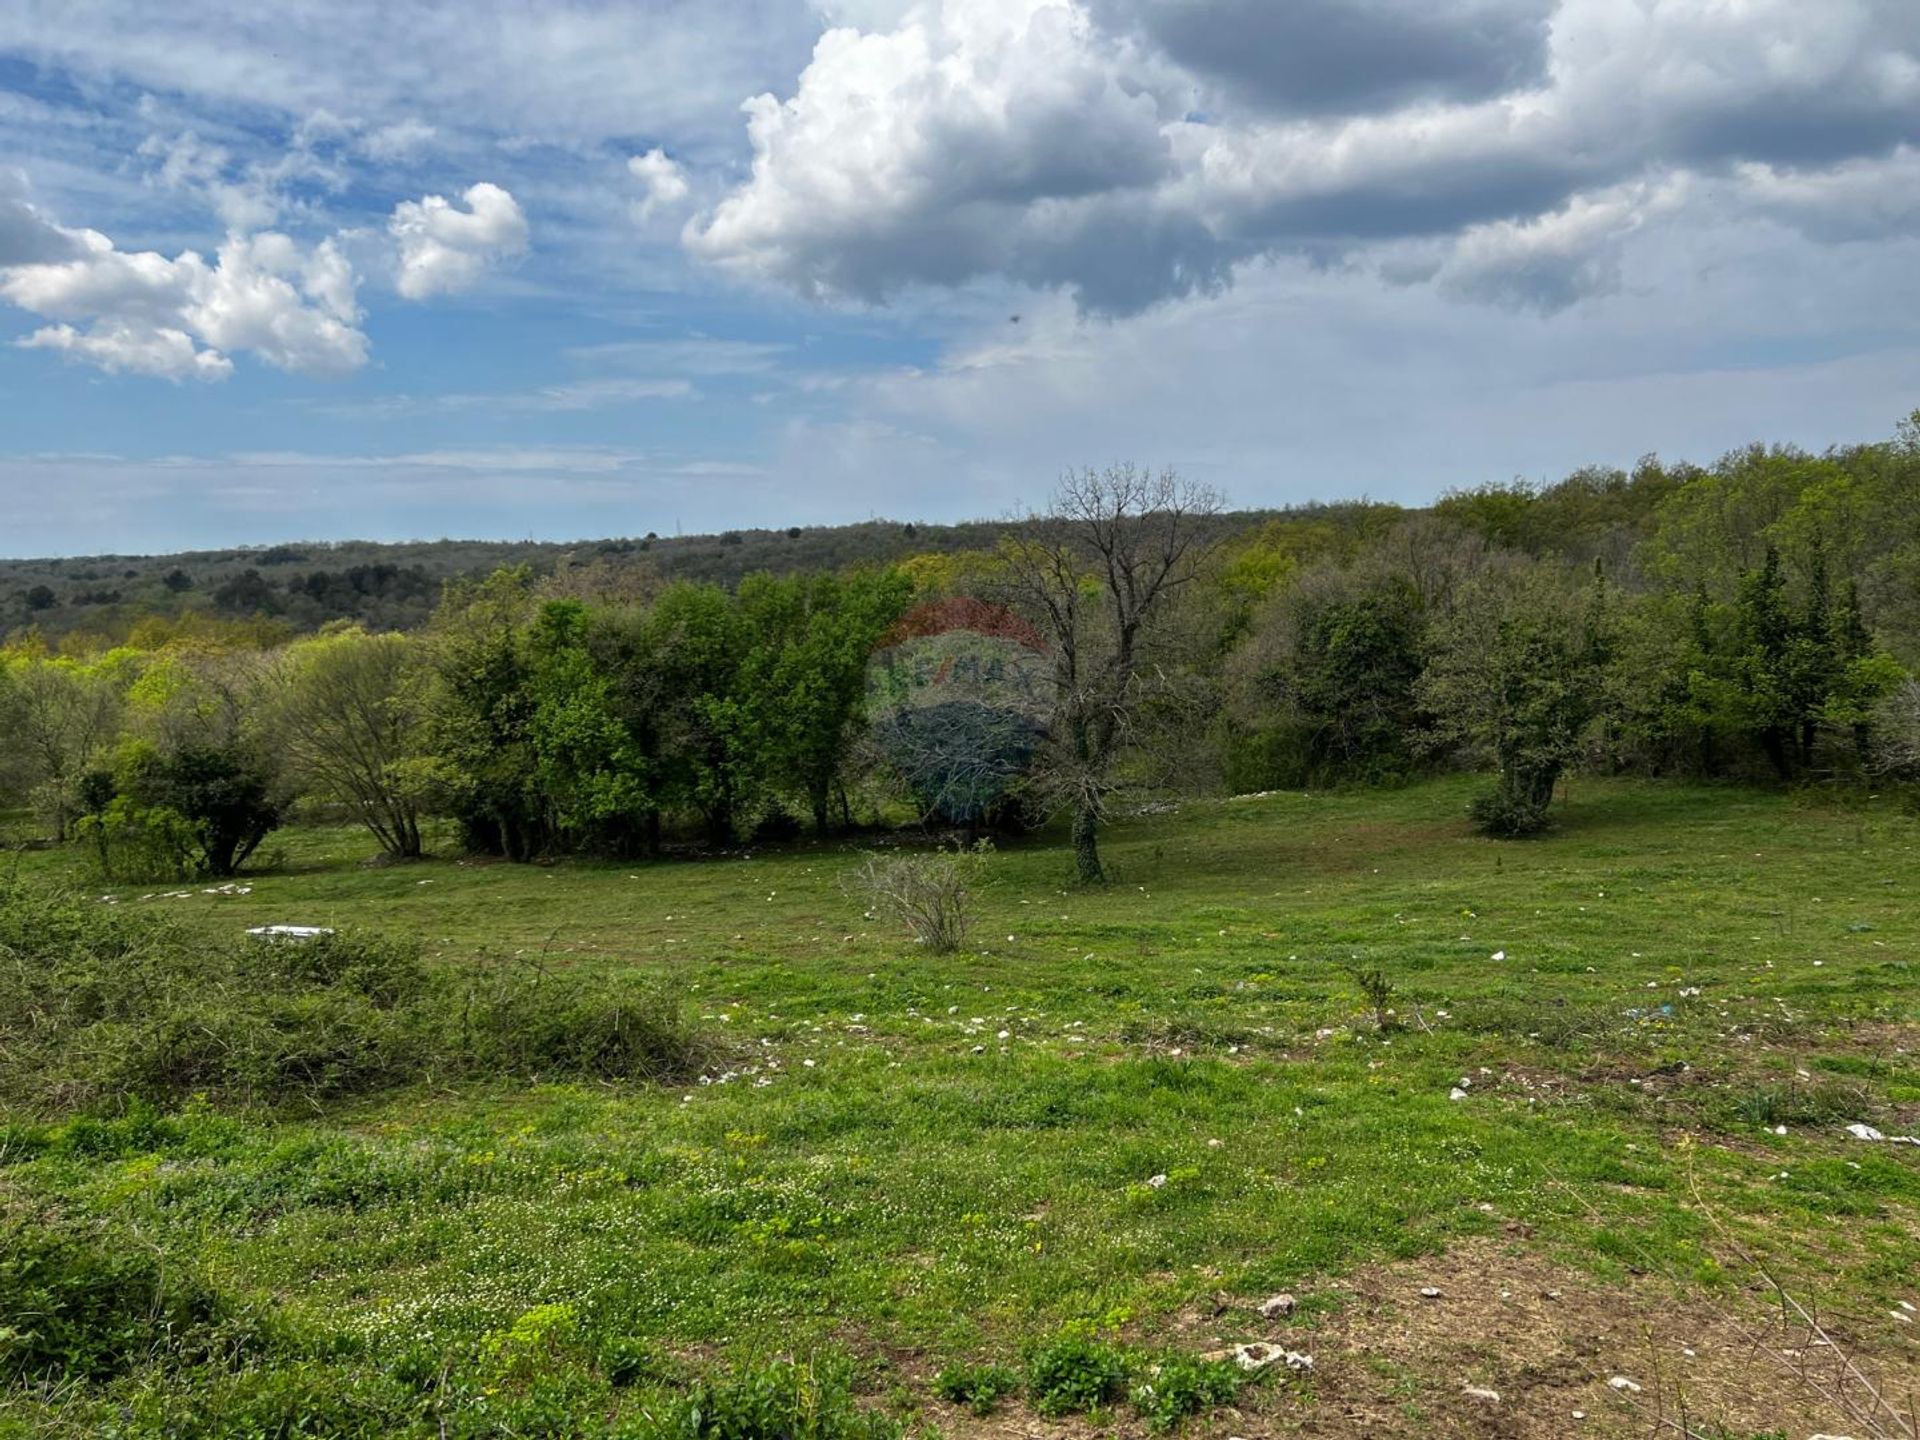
<point>1128,151</point>
<point>444,249</point>
<point>1869,199</point>
<point>177,318</point>
<point>26,236</point>
<point>1550,262</point>
<point>663,180</point>
<point>990,136</point>
<point>1345,56</point>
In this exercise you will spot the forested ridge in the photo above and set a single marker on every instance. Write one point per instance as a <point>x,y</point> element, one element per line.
<point>1755,620</point>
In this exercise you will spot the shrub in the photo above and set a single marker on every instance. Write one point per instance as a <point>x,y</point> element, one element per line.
<point>1180,1385</point>
<point>79,1303</point>
<point>926,893</point>
<point>1075,1372</point>
<point>136,842</point>
<point>101,1007</point>
<point>1376,987</point>
<point>522,1020</point>
<point>1512,810</point>
<point>784,1399</point>
<point>980,1388</point>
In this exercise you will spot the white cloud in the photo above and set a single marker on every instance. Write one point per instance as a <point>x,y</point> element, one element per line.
<point>175,318</point>
<point>1551,261</point>
<point>1869,199</point>
<point>401,140</point>
<point>116,346</point>
<point>665,182</point>
<point>1130,152</point>
<point>988,136</point>
<point>443,249</point>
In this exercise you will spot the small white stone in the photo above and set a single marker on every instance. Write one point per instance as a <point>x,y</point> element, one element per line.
<point>1864,1132</point>
<point>1624,1385</point>
<point>1275,1306</point>
<point>1481,1393</point>
<point>1156,1182</point>
<point>1456,1093</point>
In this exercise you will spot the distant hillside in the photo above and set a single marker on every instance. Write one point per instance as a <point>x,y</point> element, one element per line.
<point>1592,514</point>
<point>395,586</point>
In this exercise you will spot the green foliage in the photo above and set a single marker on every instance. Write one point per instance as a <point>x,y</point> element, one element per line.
<point>134,842</point>
<point>101,1008</point>
<point>223,793</point>
<point>519,1019</point>
<point>1075,1372</point>
<point>782,1398</point>
<point>1376,988</point>
<point>345,711</point>
<point>1177,1385</point>
<point>80,1302</point>
<point>980,1387</point>
<point>1514,681</point>
<point>1344,690</point>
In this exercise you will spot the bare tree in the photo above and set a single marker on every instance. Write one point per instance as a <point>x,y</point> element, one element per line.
<point>1098,573</point>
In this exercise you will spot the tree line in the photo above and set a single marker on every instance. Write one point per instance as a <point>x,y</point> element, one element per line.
<point>1758,620</point>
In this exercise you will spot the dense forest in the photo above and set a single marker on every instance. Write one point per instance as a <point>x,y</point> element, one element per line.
<point>1756,620</point>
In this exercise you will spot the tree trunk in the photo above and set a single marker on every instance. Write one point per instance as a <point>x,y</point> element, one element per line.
<point>1086,848</point>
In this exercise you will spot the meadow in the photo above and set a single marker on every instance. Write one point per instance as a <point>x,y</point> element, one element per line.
<point>1572,1167</point>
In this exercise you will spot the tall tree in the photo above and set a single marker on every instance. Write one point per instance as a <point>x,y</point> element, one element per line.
<point>1099,573</point>
<point>346,710</point>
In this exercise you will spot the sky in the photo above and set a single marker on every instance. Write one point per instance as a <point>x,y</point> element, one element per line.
<point>328,269</point>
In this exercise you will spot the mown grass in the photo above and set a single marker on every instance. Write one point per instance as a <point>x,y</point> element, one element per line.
<point>923,1161</point>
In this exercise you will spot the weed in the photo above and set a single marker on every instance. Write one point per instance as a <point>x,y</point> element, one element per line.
<point>980,1388</point>
<point>1178,1385</point>
<point>1075,1372</point>
<point>926,893</point>
<point>1376,988</point>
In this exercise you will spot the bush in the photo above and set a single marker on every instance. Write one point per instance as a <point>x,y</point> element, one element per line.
<point>1513,811</point>
<point>980,1388</point>
<point>102,1007</point>
<point>135,842</point>
<point>1075,1372</point>
<point>1180,1385</point>
<point>525,1021</point>
<point>782,1399</point>
<point>926,893</point>
<point>80,1303</point>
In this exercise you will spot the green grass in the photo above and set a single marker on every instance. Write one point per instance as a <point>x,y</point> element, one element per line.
<point>921,1161</point>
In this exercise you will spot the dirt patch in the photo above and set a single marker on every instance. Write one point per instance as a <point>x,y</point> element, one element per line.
<point>1547,1339</point>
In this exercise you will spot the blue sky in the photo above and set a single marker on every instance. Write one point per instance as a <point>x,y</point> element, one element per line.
<point>335,268</point>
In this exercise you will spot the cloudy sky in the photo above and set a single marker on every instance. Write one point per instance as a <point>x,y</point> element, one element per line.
<point>331,268</point>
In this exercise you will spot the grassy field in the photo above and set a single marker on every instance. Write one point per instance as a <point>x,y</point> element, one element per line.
<point>1129,1115</point>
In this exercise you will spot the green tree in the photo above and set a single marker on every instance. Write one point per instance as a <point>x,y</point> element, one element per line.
<point>346,710</point>
<point>807,669</point>
<point>480,714</point>
<point>1514,681</point>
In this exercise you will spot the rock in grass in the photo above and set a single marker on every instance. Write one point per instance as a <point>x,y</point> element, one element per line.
<point>1864,1132</point>
<point>1482,1394</point>
<point>1277,1307</point>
